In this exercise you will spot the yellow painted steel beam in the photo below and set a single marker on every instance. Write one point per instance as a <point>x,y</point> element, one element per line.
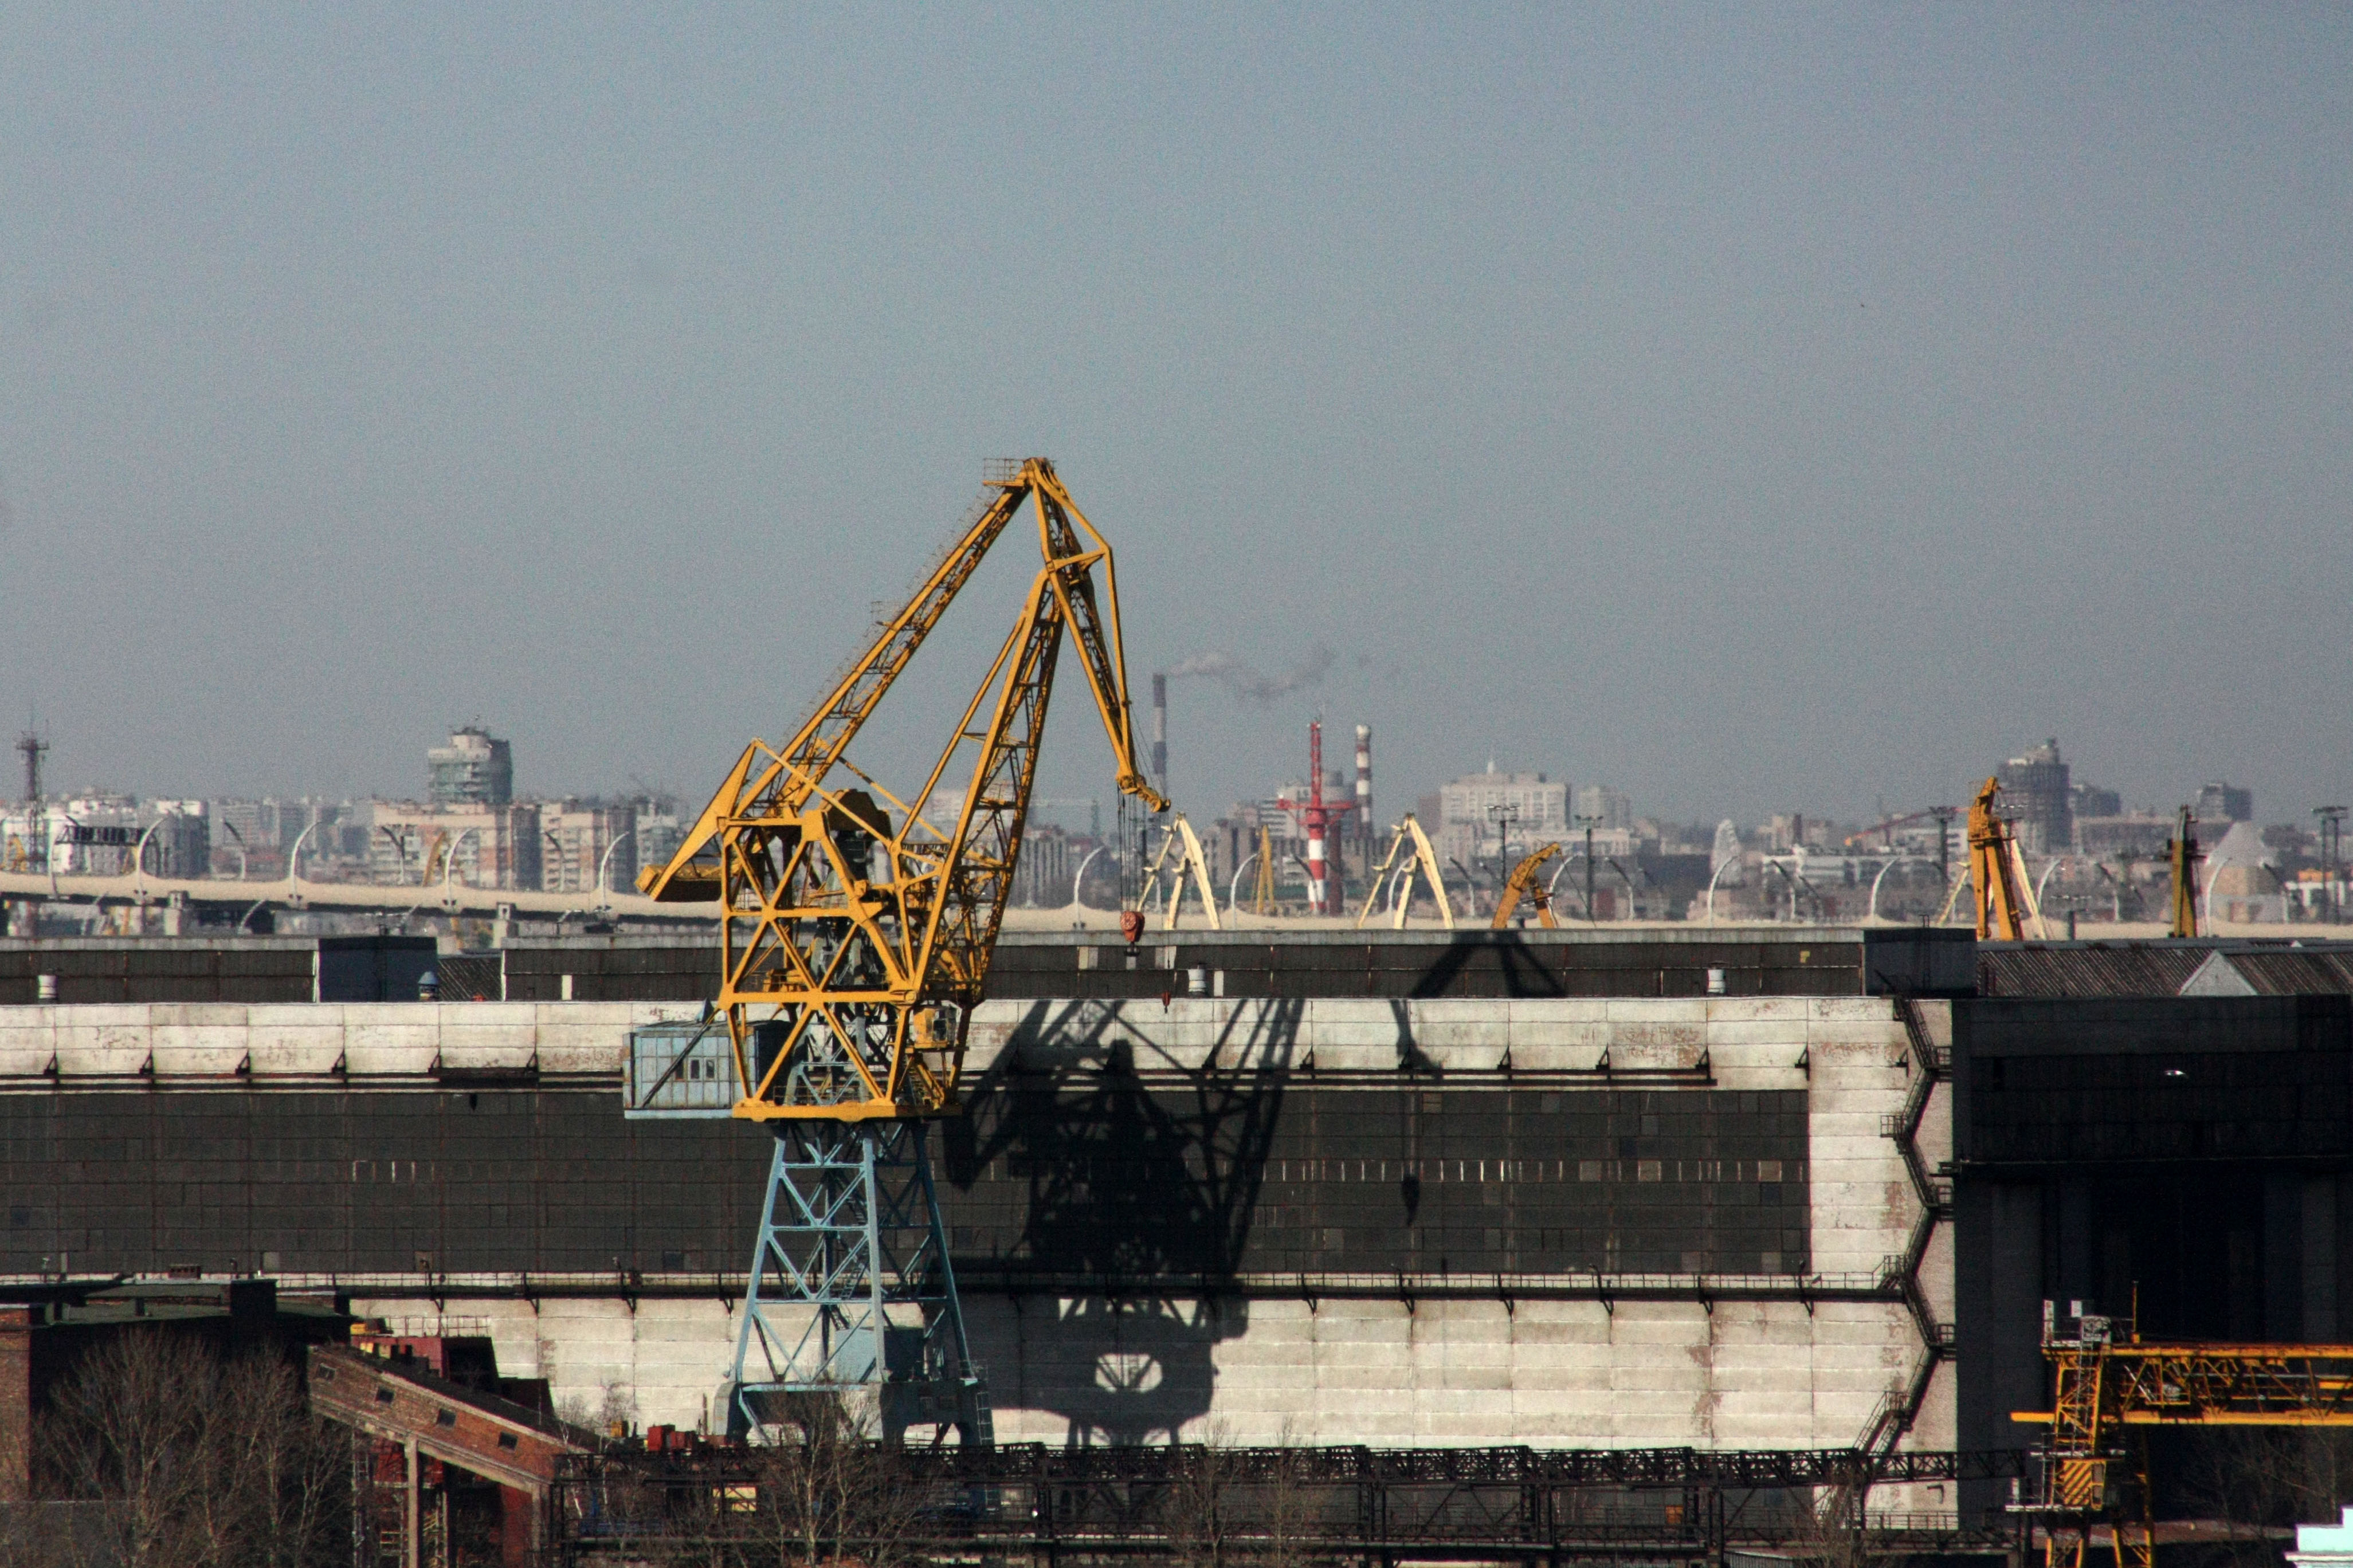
<point>856,928</point>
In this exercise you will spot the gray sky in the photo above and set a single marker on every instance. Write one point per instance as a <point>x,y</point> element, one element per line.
<point>1749,407</point>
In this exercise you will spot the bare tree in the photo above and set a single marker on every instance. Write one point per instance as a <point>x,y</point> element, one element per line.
<point>205,1463</point>
<point>1223,1505</point>
<point>829,1492</point>
<point>2259,1480</point>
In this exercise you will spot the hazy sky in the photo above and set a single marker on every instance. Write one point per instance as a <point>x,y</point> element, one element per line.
<point>1752,408</point>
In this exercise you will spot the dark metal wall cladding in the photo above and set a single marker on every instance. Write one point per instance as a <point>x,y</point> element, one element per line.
<point>1025,966</point>
<point>366,1182</point>
<point>166,969</point>
<point>2067,1083</point>
<point>1120,1178</point>
<point>2192,1156</point>
<point>1109,1180</point>
<point>1500,967</point>
<point>686,973</point>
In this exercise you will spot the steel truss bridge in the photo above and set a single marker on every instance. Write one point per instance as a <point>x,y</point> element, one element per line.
<point>1300,1504</point>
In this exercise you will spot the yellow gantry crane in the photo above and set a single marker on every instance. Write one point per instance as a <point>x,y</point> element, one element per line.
<point>856,930</point>
<point>2101,1386</point>
<point>1410,853</point>
<point>1523,884</point>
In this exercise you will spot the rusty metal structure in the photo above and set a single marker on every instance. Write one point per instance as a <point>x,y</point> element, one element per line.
<point>1180,1501</point>
<point>2085,1474</point>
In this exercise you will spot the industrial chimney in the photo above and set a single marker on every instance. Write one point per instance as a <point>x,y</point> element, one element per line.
<point>1160,731</point>
<point>1365,786</point>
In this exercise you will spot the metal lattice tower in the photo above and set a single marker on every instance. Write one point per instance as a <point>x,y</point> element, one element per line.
<point>851,1287</point>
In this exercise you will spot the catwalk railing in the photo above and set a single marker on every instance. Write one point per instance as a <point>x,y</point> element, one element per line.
<point>1292,1504</point>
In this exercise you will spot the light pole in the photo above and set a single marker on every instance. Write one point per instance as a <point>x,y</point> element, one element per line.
<point>2332,850</point>
<point>608,860</point>
<point>1233,888</point>
<point>1944,815</point>
<point>449,861</point>
<point>1503,814</point>
<point>1729,862</point>
<point>2044,880</point>
<point>1872,912</point>
<point>1079,875</point>
<point>400,848</point>
<point>1627,880</point>
<point>1588,824</point>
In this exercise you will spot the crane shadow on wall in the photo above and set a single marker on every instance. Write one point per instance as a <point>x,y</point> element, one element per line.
<point>1114,1175</point>
<point>1517,968</point>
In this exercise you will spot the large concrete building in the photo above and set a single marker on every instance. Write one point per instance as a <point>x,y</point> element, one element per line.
<point>474,769</point>
<point>1476,809</point>
<point>2037,792</point>
<point>1792,1189</point>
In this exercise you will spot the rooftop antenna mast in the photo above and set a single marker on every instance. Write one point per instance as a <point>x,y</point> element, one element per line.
<point>31,747</point>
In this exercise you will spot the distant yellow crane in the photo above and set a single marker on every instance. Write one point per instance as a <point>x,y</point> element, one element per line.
<point>2186,857</point>
<point>1523,884</point>
<point>1263,887</point>
<point>2001,895</point>
<point>1180,858</point>
<point>1410,854</point>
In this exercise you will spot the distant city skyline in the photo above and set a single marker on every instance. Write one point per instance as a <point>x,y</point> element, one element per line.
<point>1745,410</point>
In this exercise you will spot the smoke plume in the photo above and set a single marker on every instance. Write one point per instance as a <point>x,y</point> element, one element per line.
<point>1252,685</point>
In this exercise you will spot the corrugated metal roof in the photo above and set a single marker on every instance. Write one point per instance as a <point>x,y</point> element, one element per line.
<point>2157,968</point>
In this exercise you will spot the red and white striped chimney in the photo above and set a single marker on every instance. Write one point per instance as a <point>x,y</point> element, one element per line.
<point>1365,783</point>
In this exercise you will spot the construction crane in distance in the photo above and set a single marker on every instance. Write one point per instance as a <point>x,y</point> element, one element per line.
<point>1886,829</point>
<point>1410,854</point>
<point>2000,894</point>
<point>1180,857</point>
<point>855,935</point>
<point>1523,884</point>
<point>2185,855</point>
<point>2101,1386</point>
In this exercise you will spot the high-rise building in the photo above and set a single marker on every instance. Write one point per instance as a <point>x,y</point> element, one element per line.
<point>2225,803</point>
<point>477,846</point>
<point>584,847</point>
<point>1611,811</point>
<point>2035,792</point>
<point>1477,808</point>
<point>473,769</point>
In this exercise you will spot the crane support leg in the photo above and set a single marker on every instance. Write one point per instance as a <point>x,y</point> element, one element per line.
<point>851,1294</point>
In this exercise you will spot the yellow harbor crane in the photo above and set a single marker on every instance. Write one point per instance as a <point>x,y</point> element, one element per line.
<point>855,935</point>
<point>1409,855</point>
<point>2102,1385</point>
<point>1523,884</point>
<point>856,931</point>
<point>1179,861</point>
<point>2000,894</point>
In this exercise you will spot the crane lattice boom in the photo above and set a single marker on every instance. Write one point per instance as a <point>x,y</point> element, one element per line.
<point>856,930</point>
